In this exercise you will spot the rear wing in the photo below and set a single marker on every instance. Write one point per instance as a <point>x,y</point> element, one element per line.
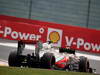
<point>62,35</point>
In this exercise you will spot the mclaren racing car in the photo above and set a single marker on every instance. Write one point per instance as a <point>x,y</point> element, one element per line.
<point>48,57</point>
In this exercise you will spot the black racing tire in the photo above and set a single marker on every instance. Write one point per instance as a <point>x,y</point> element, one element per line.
<point>90,70</point>
<point>47,61</point>
<point>13,59</point>
<point>83,64</point>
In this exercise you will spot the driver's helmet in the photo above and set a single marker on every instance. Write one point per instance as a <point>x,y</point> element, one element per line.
<point>47,45</point>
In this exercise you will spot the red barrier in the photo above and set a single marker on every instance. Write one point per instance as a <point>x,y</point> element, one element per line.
<point>77,38</point>
<point>21,31</point>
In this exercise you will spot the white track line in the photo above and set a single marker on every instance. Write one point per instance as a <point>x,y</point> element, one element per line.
<point>92,57</point>
<point>30,47</point>
<point>3,62</point>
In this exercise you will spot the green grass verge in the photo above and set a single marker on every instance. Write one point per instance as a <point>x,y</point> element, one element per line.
<point>33,71</point>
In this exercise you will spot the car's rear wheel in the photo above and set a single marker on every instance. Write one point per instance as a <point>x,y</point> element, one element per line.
<point>13,59</point>
<point>48,60</point>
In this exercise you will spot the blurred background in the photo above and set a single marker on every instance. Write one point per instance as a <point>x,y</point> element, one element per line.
<point>84,13</point>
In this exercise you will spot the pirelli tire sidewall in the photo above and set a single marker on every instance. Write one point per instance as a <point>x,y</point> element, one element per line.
<point>13,59</point>
<point>84,64</point>
<point>47,61</point>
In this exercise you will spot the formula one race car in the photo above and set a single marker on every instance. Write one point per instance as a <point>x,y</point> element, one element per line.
<point>48,57</point>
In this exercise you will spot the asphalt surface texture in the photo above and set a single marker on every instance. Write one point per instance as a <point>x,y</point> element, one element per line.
<point>5,50</point>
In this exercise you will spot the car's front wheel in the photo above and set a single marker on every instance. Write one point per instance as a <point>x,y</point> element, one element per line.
<point>83,64</point>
